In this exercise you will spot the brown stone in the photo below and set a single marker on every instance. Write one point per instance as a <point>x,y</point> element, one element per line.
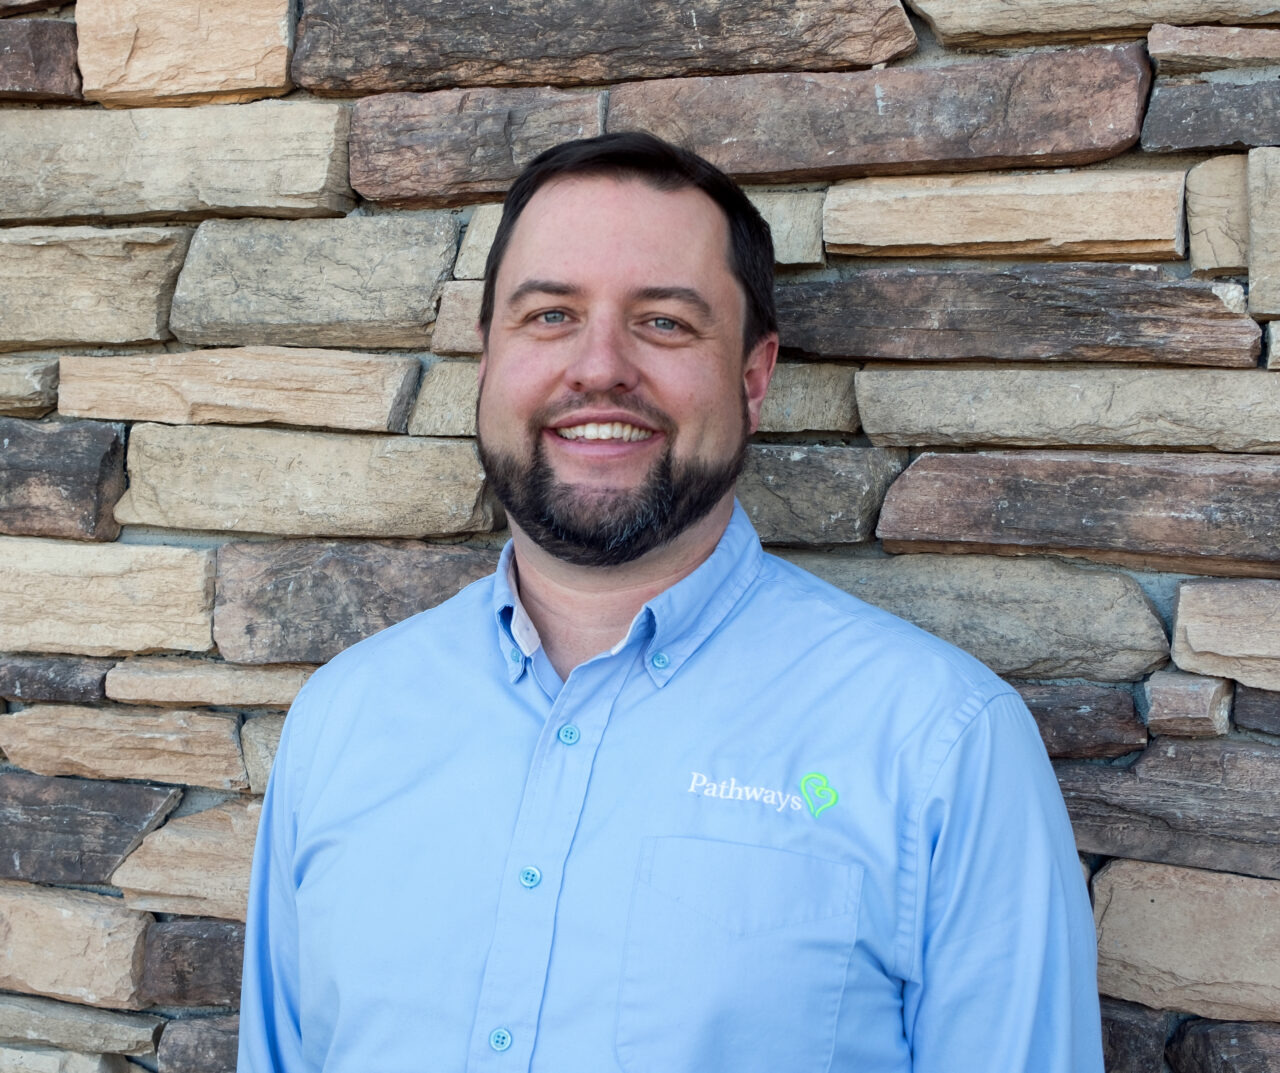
<point>1020,313</point>
<point>56,678</point>
<point>1207,804</point>
<point>302,483</point>
<point>1257,709</point>
<point>1230,629</point>
<point>199,1045</point>
<point>1178,938</point>
<point>1211,115</point>
<point>1188,705</point>
<point>196,864</point>
<point>140,52</point>
<point>1264,233</point>
<point>784,127</point>
<point>1209,514</point>
<point>72,945</point>
<point>26,1019</point>
<point>346,49</point>
<point>243,386</point>
<point>1133,1037</point>
<point>49,1060</point>
<point>455,331</point>
<point>1218,214</point>
<point>1028,618</point>
<point>71,285</point>
<point>446,403</point>
<point>259,740</point>
<point>60,480</point>
<point>193,963</point>
<point>195,748</point>
<point>1225,1047</point>
<point>810,397</point>
<point>103,599</point>
<point>473,251</point>
<point>204,682</point>
<point>74,830</point>
<point>1082,720</point>
<point>304,601</point>
<point>1188,49</point>
<point>1117,215</point>
<point>28,386</point>
<point>38,60</point>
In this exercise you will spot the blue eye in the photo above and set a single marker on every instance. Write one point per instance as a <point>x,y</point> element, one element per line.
<point>552,316</point>
<point>666,324</point>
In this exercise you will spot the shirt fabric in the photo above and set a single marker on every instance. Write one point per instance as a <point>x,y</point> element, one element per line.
<point>773,829</point>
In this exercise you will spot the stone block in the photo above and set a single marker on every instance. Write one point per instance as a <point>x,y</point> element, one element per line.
<point>1211,115</point>
<point>72,285</point>
<point>266,159</point>
<point>193,963</point>
<point>60,480</point>
<point>71,945</point>
<point>1133,1037</point>
<point>244,386</point>
<point>1200,513</point>
<point>48,1060</point>
<point>145,52</point>
<point>1273,346</point>
<point>1083,720</point>
<point>1188,705</point>
<point>195,748</point>
<point>455,331</point>
<point>1257,709</point>
<point>366,281</point>
<point>57,678</point>
<point>38,60</point>
<point>259,740</point>
<point>26,1019</point>
<point>1230,629</point>
<point>802,127</point>
<point>800,494</point>
<point>795,222</point>
<point>1225,1047</point>
<point>1079,215</point>
<point>1020,313</point>
<point>1218,214</point>
<point>474,249</point>
<point>446,403</point>
<point>1178,938</point>
<point>1029,618</point>
<point>199,1045</point>
<point>28,385</point>
<point>1264,233</point>
<point>302,483</point>
<point>204,682</point>
<point>74,830</point>
<point>17,7</point>
<point>460,145</point>
<point>104,600</point>
<point>1226,409</point>
<point>195,865</point>
<point>343,48</point>
<point>1188,49</point>
<point>305,601</point>
<point>810,397</point>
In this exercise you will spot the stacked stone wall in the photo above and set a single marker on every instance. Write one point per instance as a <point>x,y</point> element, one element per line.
<point>1028,252</point>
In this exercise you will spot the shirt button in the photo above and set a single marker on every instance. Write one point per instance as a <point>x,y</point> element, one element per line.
<point>660,660</point>
<point>568,734</point>
<point>499,1039</point>
<point>530,877</point>
<point>515,655</point>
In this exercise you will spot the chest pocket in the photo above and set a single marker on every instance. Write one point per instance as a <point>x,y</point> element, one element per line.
<point>735,958</point>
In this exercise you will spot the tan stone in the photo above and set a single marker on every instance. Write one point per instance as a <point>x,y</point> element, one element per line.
<point>810,397</point>
<point>137,52</point>
<point>1183,939</point>
<point>259,739</point>
<point>455,331</point>
<point>69,285</point>
<point>28,386</point>
<point>1229,629</point>
<point>42,1021</point>
<point>205,682</point>
<point>192,748</point>
<point>302,483</point>
<point>1227,409</point>
<point>1264,233</point>
<point>49,1060</point>
<point>1188,705</point>
<point>474,250</point>
<point>446,403</point>
<point>1075,215</point>
<point>1187,49</point>
<point>104,600</point>
<point>243,386</point>
<point>196,865</point>
<point>72,945</point>
<point>1218,214</point>
<point>266,159</point>
<point>1273,346</point>
<point>795,222</point>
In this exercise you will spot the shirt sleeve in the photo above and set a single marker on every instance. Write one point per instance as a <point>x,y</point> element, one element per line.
<point>1005,975</point>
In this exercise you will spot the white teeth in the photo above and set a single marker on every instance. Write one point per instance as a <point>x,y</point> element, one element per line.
<point>606,430</point>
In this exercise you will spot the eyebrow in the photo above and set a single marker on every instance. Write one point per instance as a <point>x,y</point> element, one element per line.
<point>646,294</point>
<point>542,286</point>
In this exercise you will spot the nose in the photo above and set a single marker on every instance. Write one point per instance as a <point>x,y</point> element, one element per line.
<point>604,359</point>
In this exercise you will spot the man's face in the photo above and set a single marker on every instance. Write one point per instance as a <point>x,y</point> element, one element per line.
<point>615,399</point>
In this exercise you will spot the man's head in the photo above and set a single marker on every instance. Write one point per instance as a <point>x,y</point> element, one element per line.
<point>629,338</point>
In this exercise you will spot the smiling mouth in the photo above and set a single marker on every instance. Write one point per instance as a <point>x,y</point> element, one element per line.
<point>605,430</point>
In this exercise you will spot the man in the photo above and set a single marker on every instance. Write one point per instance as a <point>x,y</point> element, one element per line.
<point>648,799</point>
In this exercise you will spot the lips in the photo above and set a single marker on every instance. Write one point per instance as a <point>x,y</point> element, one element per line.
<point>604,430</point>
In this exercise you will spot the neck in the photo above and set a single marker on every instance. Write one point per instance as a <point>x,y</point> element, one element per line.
<point>580,611</point>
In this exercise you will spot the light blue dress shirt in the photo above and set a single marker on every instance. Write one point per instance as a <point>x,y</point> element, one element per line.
<point>774,829</point>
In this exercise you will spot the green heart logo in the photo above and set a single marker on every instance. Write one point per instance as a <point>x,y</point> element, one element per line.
<point>818,793</point>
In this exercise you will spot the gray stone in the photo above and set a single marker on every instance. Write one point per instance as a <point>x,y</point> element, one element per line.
<point>446,403</point>
<point>810,397</point>
<point>28,386</point>
<point>27,1019</point>
<point>1264,233</point>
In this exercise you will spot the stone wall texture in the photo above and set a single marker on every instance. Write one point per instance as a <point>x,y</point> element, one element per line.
<point>1029,398</point>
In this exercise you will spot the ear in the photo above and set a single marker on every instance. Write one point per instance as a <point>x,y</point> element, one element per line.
<point>757,371</point>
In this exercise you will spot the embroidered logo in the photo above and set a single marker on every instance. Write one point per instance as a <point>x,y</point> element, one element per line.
<point>819,794</point>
